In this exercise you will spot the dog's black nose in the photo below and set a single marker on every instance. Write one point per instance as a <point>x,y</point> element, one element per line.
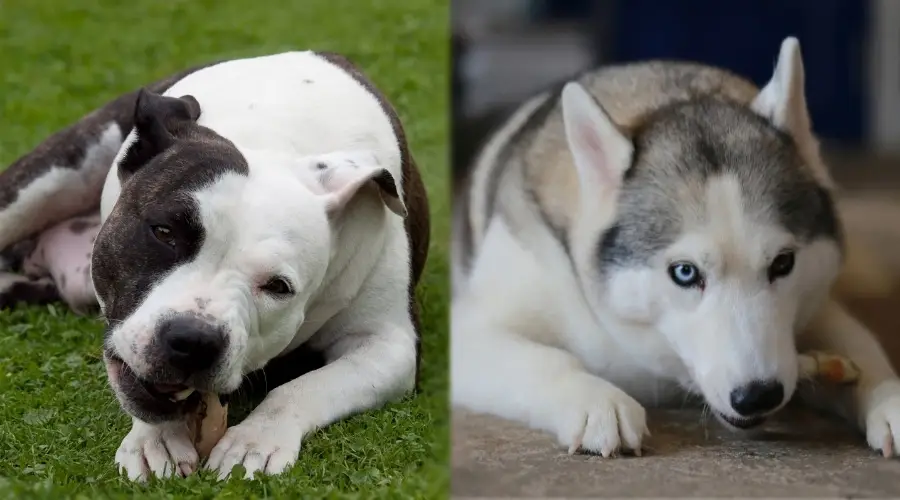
<point>757,397</point>
<point>190,344</point>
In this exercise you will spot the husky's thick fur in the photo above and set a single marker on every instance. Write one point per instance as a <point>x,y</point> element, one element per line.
<point>647,231</point>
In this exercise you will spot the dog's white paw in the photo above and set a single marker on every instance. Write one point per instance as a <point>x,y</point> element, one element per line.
<point>883,419</point>
<point>598,417</point>
<point>162,450</point>
<point>268,446</point>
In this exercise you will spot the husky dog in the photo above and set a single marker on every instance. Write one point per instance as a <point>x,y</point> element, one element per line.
<point>648,231</point>
<point>223,218</point>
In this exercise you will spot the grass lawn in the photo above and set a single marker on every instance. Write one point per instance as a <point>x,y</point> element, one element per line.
<point>59,423</point>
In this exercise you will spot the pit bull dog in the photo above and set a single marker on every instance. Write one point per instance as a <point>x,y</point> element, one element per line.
<point>220,219</point>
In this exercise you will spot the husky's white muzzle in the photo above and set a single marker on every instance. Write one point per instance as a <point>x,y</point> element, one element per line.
<point>740,352</point>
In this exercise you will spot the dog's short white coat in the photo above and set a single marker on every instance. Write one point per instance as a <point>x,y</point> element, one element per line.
<point>535,341</point>
<point>348,262</point>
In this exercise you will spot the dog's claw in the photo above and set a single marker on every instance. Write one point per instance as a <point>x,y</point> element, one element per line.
<point>576,443</point>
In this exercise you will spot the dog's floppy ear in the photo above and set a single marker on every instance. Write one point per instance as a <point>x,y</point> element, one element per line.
<point>344,183</point>
<point>783,100</point>
<point>602,153</point>
<point>158,120</point>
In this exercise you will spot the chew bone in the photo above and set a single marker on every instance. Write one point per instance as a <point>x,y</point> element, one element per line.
<point>208,423</point>
<point>828,368</point>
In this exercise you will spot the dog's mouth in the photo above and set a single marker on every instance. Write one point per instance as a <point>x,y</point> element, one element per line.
<point>170,397</point>
<point>742,423</point>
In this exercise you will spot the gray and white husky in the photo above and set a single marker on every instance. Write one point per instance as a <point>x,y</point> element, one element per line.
<point>651,230</point>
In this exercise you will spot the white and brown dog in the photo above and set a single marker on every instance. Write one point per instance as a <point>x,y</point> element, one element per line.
<point>222,218</point>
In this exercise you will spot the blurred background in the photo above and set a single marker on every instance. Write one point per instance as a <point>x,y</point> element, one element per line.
<point>506,50</point>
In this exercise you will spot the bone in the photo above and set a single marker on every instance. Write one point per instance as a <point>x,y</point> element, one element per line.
<point>827,367</point>
<point>208,424</point>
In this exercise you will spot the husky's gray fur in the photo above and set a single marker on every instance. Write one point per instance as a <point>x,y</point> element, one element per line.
<point>564,316</point>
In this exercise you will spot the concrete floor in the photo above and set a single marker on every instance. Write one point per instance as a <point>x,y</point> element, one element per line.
<point>796,454</point>
<point>799,454</point>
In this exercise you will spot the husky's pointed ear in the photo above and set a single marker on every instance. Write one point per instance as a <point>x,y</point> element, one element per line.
<point>343,183</point>
<point>157,121</point>
<point>602,153</point>
<point>783,100</point>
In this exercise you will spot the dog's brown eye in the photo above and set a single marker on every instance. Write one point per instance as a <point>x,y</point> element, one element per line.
<point>278,287</point>
<point>164,234</point>
<point>781,266</point>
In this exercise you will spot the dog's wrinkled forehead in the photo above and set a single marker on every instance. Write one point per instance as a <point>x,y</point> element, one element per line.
<point>681,149</point>
<point>171,159</point>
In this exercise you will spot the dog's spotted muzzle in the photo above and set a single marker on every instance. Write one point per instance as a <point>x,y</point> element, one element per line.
<point>183,359</point>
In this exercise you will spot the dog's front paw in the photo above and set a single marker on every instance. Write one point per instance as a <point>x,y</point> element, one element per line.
<point>267,446</point>
<point>883,419</point>
<point>163,450</point>
<point>598,417</point>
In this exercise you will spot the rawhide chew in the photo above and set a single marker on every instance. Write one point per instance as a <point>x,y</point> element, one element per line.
<point>207,424</point>
<point>829,368</point>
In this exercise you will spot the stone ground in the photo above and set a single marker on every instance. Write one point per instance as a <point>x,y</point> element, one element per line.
<point>797,454</point>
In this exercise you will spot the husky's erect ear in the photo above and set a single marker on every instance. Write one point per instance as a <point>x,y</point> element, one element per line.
<point>602,153</point>
<point>157,121</point>
<point>783,100</point>
<point>344,183</point>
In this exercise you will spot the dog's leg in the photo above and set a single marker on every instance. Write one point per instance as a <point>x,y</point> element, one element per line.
<point>18,289</point>
<point>59,179</point>
<point>365,371</point>
<point>62,253</point>
<point>496,371</point>
<point>874,402</point>
<point>63,176</point>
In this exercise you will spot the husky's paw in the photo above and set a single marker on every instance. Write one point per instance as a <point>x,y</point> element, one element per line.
<point>598,417</point>
<point>258,444</point>
<point>883,419</point>
<point>163,450</point>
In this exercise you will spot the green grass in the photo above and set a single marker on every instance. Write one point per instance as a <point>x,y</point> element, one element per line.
<point>59,424</point>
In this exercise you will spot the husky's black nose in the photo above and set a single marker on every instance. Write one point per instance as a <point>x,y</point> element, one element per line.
<point>190,344</point>
<point>757,397</point>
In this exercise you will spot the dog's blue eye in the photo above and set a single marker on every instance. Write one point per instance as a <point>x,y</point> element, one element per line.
<point>685,275</point>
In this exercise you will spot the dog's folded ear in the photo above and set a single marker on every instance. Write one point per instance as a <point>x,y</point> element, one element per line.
<point>343,184</point>
<point>158,120</point>
<point>601,152</point>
